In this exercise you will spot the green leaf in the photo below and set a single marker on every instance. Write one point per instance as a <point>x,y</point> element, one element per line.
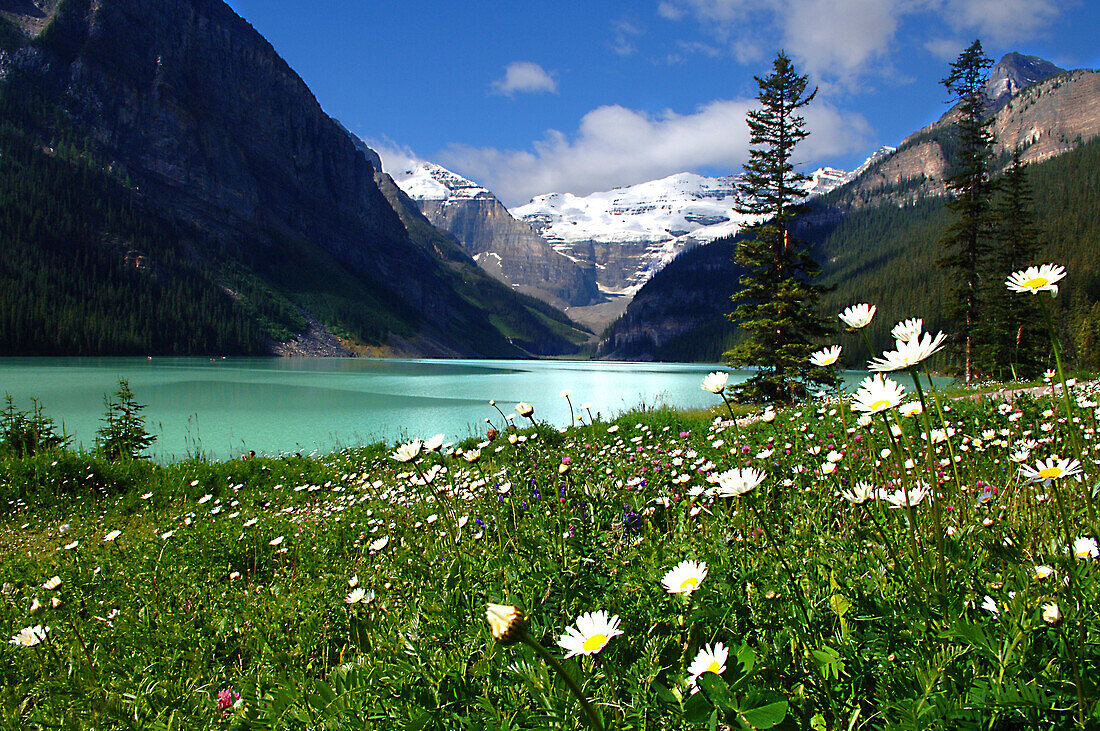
<point>717,691</point>
<point>665,694</point>
<point>828,662</point>
<point>697,708</point>
<point>765,716</point>
<point>419,722</point>
<point>746,661</point>
<point>839,604</point>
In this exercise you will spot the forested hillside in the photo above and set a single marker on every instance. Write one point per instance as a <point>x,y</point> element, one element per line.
<point>171,186</point>
<point>86,270</point>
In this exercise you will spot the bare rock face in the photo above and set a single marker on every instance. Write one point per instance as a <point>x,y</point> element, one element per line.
<point>1051,117</point>
<point>1035,106</point>
<point>505,248</point>
<point>511,251</point>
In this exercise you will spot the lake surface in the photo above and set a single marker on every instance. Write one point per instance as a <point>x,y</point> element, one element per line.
<point>225,407</point>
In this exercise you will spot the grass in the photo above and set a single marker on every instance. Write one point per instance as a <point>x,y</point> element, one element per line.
<point>223,602</point>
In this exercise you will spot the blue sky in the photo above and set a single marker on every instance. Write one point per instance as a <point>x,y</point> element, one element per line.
<point>532,98</point>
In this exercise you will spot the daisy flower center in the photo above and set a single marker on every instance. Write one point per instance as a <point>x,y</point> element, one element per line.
<point>881,405</point>
<point>1036,282</point>
<point>714,668</point>
<point>689,583</point>
<point>1050,473</point>
<point>595,643</point>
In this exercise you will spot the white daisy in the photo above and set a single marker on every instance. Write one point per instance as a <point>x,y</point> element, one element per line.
<point>685,577</point>
<point>862,492</point>
<point>29,636</point>
<point>1033,280</point>
<point>915,496</point>
<point>858,316</point>
<point>732,483</point>
<point>407,452</point>
<point>1053,469</point>
<point>826,356</point>
<point>906,330</point>
<point>715,382</point>
<point>711,659</point>
<point>877,393</point>
<point>592,633</point>
<point>1085,548</point>
<point>908,354</point>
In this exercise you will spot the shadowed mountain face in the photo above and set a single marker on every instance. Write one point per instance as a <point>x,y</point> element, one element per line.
<point>192,110</point>
<point>505,248</point>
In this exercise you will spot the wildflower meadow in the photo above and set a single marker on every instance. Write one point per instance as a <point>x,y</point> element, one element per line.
<point>900,558</point>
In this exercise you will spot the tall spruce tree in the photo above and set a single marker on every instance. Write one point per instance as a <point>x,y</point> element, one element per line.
<point>966,240</point>
<point>777,305</point>
<point>1012,337</point>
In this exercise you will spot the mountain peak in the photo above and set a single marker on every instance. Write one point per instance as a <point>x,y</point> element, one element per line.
<point>1015,72</point>
<point>426,181</point>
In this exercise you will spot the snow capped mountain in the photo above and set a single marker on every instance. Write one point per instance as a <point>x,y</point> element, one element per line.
<point>654,211</point>
<point>424,180</point>
<point>630,233</point>
<point>613,241</point>
<point>504,247</point>
<point>880,154</point>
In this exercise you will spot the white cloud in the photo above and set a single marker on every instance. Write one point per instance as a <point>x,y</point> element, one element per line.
<point>395,157</point>
<point>840,42</point>
<point>1003,21</point>
<point>616,146</point>
<point>525,76</point>
<point>624,33</point>
<point>945,49</point>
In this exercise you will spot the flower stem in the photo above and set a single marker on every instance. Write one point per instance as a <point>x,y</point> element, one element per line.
<point>589,712</point>
<point>1074,437</point>
<point>937,519</point>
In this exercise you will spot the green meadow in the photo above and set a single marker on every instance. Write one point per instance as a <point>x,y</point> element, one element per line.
<point>931,571</point>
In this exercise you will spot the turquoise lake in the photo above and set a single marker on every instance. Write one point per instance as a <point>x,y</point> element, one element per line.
<point>225,407</point>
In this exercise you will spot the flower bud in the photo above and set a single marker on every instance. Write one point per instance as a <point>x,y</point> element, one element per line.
<point>505,622</point>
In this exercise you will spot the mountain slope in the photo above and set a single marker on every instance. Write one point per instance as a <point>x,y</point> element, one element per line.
<point>184,108</point>
<point>1056,113</point>
<point>502,246</point>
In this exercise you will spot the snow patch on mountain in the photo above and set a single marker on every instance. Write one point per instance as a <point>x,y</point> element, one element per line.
<point>422,180</point>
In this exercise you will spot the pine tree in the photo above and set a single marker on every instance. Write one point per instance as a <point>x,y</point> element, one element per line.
<point>966,240</point>
<point>1010,332</point>
<point>123,434</point>
<point>777,305</point>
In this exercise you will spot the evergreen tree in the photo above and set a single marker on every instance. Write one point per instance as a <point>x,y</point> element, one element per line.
<point>777,305</point>
<point>1012,337</point>
<point>966,240</point>
<point>123,434</point>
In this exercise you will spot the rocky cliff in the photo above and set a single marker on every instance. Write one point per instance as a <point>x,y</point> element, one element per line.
<point>197,113</point>
<point>1035,106</point>
<point>504,247</point>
